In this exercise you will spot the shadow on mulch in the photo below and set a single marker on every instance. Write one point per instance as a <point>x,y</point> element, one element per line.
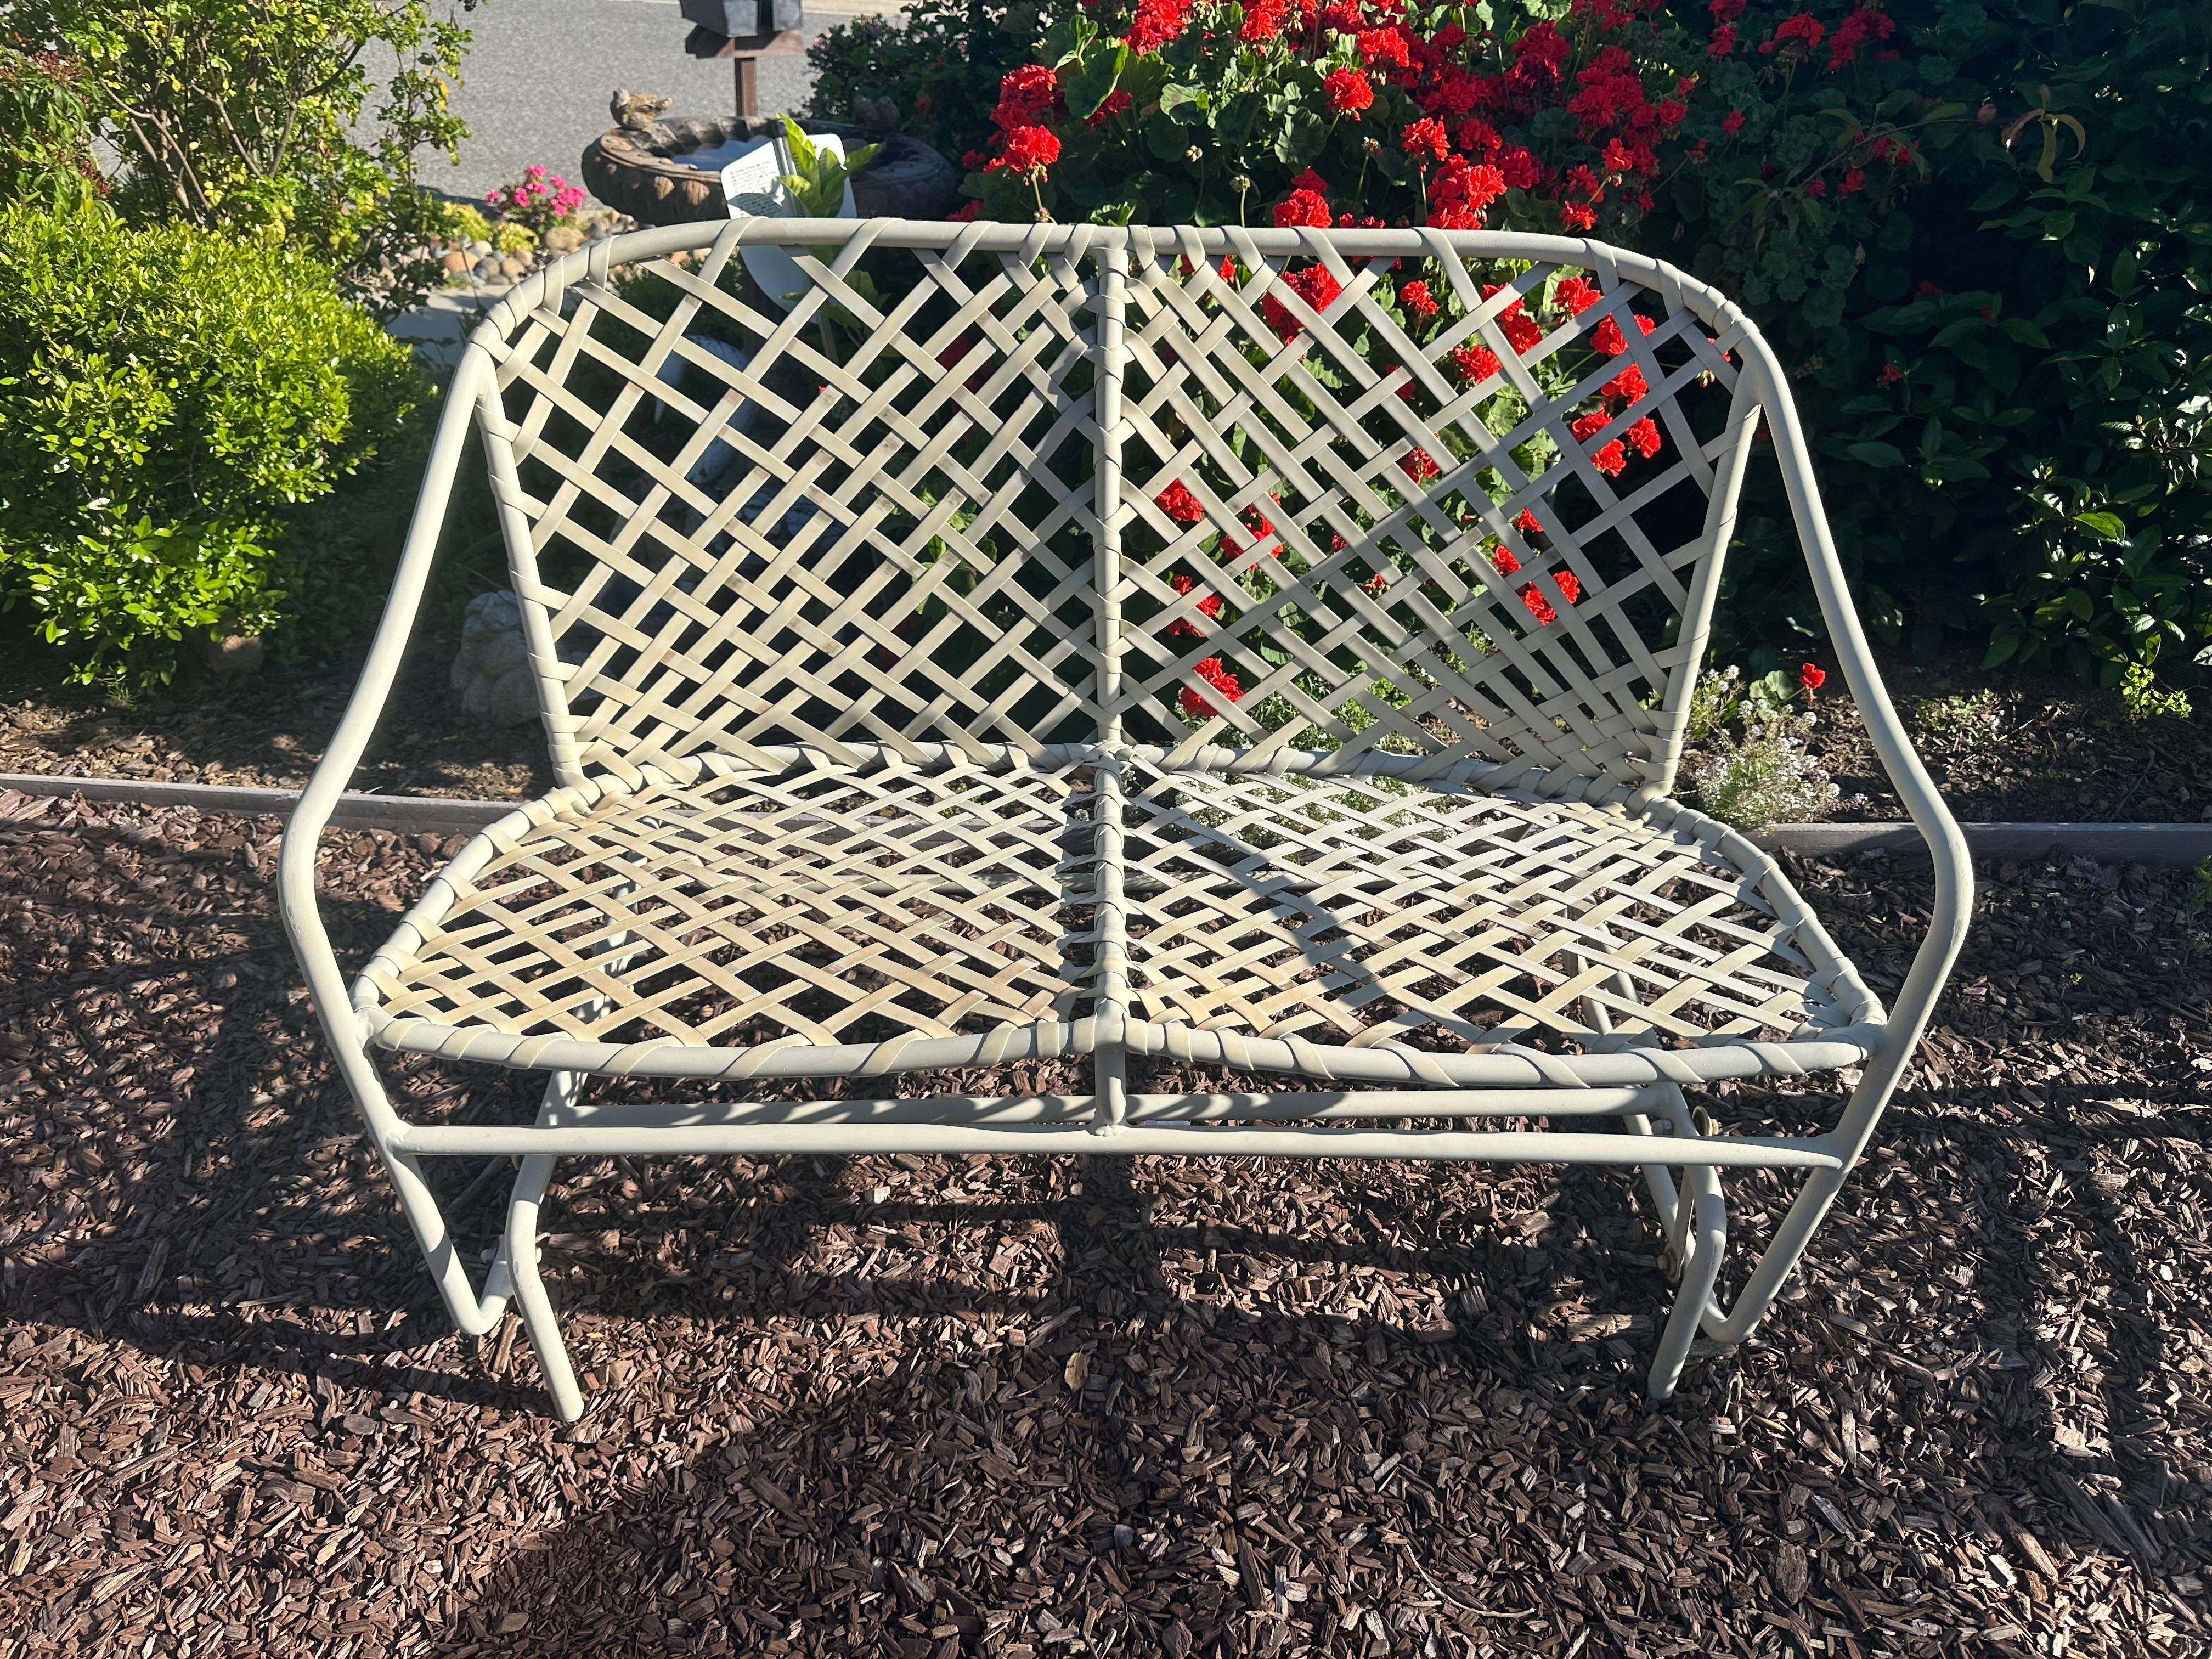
<point>943,1405</point>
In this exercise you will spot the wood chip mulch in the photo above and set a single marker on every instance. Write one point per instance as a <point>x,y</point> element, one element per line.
<point>929,1407</point>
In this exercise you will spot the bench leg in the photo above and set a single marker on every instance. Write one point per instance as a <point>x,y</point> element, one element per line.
<point>1700,1240</point>
<point>1694,1218</point>
<point>538,1320</point>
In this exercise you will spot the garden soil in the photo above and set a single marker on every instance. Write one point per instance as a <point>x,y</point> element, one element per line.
<point>928,1407</point>
<point>2043,748</point>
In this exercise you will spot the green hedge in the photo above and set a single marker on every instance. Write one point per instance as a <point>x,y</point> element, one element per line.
<point>168,400</point>
<point>2009,366</point>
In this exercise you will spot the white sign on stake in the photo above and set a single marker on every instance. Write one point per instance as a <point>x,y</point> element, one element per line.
<point>752,185</point>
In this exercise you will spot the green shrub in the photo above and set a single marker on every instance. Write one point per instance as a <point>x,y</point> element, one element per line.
<point>241,116</point>
<point>2008,369</point>
<point>45,133</point>
<point>168,399</point>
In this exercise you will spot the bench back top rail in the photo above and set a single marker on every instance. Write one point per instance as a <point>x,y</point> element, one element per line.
<point>1456,498</point>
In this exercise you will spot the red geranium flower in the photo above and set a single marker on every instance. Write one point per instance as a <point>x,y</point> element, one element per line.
<point>1348,91</point>
<point>1314,285</point>
<point>1855,31</point>
<point>1263,18</point>
<point>1527,525</point>
<point>1310,180</point>
<point>1031,150</point>
<point>1179,504</point>
<point>1575,216</point>
<point>1628,386</point>
<point>1732,124</point>
<point>1156,23</point>
<point>1571,590</point>
<point>1522,332</point>
<point>1612,460</point>
<point>1608,339</point>
<point>1210,605</point>
<point>1220,679</point>
<point>1026,94</point>
<point>1385,48</point>
<point>1644,437</point>
<point>1586,427</point>
<point>1303,207</point>
<point>1576,296</point>
<point>1462,191</point>
<point>1424,140</point>
<point>1420,466</point>
<point>1473,364</point>
<point>1416,299</point>
<point>1114,103</point>
<point>1811,677</point>
<point>1804,27</point>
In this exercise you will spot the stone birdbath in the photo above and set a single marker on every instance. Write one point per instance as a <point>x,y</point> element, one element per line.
<point>640,167</point>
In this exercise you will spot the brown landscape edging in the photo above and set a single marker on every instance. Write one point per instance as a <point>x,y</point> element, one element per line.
<point>2113,843</point>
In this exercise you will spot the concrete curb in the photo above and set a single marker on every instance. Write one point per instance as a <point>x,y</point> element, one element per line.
<point>2111,844</point>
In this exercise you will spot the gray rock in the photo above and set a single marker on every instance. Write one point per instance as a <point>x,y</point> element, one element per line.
<point>515,266</point>
<point>488,268</point>
<point>491,671</point>
<point>563,239</point>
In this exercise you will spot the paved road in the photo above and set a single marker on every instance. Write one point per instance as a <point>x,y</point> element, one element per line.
<point>537,77</point>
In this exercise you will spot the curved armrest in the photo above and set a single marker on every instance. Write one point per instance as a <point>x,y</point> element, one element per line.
<point>295,870</point>
<point>1955,866</point>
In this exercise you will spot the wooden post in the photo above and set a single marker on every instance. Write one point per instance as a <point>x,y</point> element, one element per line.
<point>745,51</point>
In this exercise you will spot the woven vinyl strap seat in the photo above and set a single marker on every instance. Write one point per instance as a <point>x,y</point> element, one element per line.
<point>1016,641</point>
<point>724,921</point>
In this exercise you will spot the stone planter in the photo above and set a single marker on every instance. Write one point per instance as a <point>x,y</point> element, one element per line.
<point>633,169</point>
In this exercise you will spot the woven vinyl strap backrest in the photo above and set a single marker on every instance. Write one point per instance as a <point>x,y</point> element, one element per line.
<point>867,518</point>
<point>1452,495</point>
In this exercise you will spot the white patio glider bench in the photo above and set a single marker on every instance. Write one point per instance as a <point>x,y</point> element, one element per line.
<point>1017,641</point>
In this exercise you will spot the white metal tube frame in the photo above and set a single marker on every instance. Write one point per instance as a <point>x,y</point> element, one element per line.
<point>1690,1212</point>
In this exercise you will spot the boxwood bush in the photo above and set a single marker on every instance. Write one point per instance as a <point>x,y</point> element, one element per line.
<point>169,398</point>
